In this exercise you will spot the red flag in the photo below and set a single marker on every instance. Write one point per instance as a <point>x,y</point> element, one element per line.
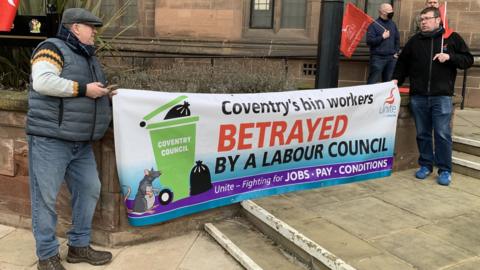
<point>8,10</point>
<point>443,16</point>
<point>404,90</point>
<point>354,26</point>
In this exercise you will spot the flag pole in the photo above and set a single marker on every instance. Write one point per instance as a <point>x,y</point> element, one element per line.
<point>375,21</point>
<point>443,21</point>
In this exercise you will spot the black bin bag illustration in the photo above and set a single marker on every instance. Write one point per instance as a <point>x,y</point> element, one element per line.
<point>200,179</point>
<point>177,111</point>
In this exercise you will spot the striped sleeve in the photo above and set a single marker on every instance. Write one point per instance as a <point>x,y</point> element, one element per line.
<point>47,65</point>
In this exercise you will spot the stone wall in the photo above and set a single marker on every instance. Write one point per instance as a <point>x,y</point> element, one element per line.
<point>208,19</point>
<point>462,17</point>
<point>350,72</point>
<point>472,91</point>
<point>228,19</point>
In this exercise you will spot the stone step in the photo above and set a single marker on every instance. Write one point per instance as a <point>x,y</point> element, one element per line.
<point>305,249</point>
<point>466,164</point>
<point>466,145</point>
<point>250,247</point>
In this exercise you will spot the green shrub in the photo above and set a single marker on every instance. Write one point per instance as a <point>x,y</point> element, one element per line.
<point>225,76</point>
<point>14,67</point>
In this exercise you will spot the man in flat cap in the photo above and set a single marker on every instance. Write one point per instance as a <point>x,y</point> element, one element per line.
<point>69,108</point>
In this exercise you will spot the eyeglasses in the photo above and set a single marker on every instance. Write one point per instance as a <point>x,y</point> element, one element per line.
<point>426,18</point>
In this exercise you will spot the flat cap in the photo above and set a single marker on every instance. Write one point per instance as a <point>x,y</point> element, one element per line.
<point>80,15</point>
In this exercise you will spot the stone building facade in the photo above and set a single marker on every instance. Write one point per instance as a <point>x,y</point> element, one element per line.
<point>285,28</point>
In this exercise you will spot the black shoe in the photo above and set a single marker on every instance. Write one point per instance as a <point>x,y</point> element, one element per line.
<point>52,263</point>
<point>89,255</point>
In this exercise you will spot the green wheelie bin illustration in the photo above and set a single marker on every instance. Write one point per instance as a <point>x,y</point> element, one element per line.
<point>173,144</point>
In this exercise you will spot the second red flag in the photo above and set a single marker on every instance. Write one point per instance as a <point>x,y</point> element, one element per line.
<point>354,27</point>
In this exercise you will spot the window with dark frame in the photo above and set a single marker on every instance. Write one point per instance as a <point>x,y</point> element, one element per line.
<point>108,9</point>
<point>293,14</point>
<point>261,14</point>
<point>266,14</point>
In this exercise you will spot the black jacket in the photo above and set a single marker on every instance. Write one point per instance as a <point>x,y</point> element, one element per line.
<point>428,77</point>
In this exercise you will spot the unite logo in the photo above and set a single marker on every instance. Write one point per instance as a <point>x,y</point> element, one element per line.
<point>388,108</point>
<point>350,29</point>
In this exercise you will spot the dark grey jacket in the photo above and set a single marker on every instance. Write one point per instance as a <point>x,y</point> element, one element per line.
<point>72,118</point>
<point>380,46</point>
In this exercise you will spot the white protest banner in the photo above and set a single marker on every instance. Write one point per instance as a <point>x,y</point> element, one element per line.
<point>181,153</point>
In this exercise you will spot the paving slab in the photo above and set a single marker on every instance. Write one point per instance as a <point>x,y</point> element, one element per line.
<point>461,231</point>
<point>162,255</point>
<point>8,266</point>
<point>310,198</point>
<point>369,217</point>
<point>434,202</point>
<point>277,202</point>
<point>346,192</point>
<point>336,240</point>
<point>206,254</point>
<point>18,248</point>
<point>421,250</point>
<point>459,181</point>
<point>382,217</point>
<point>467,265</point>
<point>455,195</point>
<point>188,252</point>
<point>466,184</point>
<point>292,215</point>
<point>410,175</point>
<point>419,184</point>
<point>5,230</point>
<point>393,183</point>
<point>382,262</point>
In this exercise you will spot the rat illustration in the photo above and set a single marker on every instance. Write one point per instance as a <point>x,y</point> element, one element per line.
<point>145,198</point>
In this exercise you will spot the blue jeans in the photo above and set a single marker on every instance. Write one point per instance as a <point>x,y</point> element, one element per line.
<point>381,67</point>
<point>433,112</point>
<point>51,162</point>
